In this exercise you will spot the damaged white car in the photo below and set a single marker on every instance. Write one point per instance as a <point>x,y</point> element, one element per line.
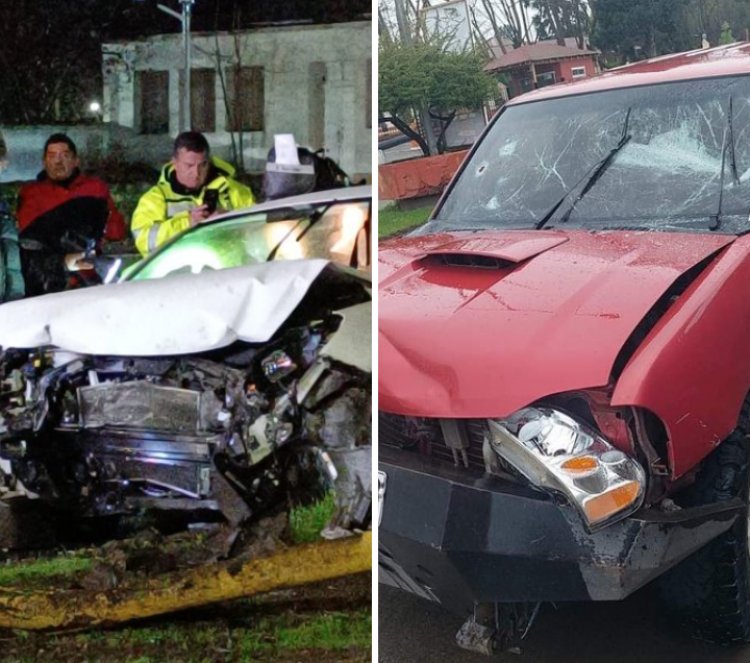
<point>213,395</point>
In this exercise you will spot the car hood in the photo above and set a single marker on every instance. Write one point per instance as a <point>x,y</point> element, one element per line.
<point>482,324</point>
<point>180,314</point>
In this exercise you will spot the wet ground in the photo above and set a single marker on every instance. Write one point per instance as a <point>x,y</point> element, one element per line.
<point>412,630</point>
<point>327,621</point>
<point>309,623</point>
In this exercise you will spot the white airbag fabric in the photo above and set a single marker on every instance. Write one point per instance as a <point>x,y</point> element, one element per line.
<point>176,315</point>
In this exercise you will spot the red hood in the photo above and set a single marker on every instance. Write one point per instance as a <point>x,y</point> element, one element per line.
<point>543,312</point>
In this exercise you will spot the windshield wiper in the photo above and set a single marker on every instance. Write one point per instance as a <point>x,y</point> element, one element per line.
<point>728,145</point>
<point>596,171</point>
<point>313,218</point>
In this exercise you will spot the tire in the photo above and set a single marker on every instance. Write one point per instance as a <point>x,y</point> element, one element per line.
<point>711,588</point>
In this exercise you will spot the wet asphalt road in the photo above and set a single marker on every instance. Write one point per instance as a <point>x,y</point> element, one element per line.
<point>412,630</point>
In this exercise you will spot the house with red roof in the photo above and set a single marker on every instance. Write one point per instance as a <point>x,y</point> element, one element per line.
<point>532,66</point>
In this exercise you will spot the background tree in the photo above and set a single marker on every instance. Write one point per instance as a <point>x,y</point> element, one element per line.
<point>640,28</point>
<point>508,21</point>
<point>50,51</point>
<point>708,16</point>
<point>422,79</point>
<point>558,19</point>
<point>643,28</point>
<point>726,34</point>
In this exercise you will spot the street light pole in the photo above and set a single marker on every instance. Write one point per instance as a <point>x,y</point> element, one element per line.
<point>184,18</point>
<point>187,5</point>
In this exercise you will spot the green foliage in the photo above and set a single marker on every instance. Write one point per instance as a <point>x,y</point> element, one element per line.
<point>403,78</point>
<point>306,522</point>
<point>266,638</point>
<point>422,76</point>
<point>392,220</point>
<point>126,197</point>
<point>329,631</point>
<point>710,16</point>
<point>726,34</point>
<point>639,28</point>
<point>563,18</point>
<point>43,571</point>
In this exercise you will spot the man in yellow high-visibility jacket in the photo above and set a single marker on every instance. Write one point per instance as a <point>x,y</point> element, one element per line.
<point>180,200</point>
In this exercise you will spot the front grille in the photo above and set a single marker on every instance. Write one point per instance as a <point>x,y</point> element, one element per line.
<point>425,437</point>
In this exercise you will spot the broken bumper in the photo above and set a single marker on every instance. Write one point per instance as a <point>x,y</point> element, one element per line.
<point>459,539</point>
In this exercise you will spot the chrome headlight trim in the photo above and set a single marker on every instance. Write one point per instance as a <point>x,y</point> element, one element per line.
<point>556,452</point>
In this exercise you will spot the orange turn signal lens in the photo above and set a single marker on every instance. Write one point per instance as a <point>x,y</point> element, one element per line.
<point>580,465</point>
<point>603,506</point>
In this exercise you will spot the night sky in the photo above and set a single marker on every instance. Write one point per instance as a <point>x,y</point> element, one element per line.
<point>50,50</point>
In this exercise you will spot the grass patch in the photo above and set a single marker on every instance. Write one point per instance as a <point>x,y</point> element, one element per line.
<point>305,522</point>
<point>264,638</point>
<point>392,220</point>
<point>42,571</point>
<point>328,631</point>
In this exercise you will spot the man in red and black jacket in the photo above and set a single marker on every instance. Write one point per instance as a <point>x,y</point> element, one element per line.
<point>61,215</point>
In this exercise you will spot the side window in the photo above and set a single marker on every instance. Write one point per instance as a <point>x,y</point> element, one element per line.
<point>247,99</point>
<point>153,101</point>
<point>339,235</point>
<point>578,72</point>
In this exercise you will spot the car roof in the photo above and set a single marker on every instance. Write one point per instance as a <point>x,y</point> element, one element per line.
<point>343,194</point>
<point>730,60</point>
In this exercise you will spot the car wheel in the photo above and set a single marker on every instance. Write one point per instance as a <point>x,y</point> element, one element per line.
<point>711,588</point>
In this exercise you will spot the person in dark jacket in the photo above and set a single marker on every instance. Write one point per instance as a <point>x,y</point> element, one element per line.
<point>11,279</point>
<point>60,215</point>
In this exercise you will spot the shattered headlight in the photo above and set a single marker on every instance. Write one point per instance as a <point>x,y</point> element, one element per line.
<point>553,450</point>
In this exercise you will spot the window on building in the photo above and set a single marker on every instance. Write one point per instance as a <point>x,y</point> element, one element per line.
<point>246,99</point>
<point>153,90</point>
<point>545,78</point>
<point>578,72</point>
<point>203,100</point>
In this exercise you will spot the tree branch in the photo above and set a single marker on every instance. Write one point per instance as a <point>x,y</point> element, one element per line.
<point>405,129</point>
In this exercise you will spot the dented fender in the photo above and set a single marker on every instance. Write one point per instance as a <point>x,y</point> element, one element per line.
<point>702,344</point>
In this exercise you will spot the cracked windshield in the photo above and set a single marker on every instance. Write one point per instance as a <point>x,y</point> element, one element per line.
<point>667,157</point>
<point>333,232</point>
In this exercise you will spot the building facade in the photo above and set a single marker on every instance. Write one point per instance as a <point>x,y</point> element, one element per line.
<point>532,66</point>
<point>313,81</point>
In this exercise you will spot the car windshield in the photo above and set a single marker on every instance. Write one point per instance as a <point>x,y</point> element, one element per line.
<point>334,231</point>
<point>644,158</point>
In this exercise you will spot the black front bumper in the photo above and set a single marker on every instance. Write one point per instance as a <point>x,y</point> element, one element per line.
<point>459,539</point>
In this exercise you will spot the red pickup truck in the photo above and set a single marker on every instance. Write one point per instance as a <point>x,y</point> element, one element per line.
<point>564,357</point>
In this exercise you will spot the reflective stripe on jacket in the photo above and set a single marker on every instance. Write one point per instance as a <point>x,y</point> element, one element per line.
<point>163,213</point>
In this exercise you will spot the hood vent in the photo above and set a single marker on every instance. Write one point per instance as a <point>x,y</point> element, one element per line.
<point>473,260</point>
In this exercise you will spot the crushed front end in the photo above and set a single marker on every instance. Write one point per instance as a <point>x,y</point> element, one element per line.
<point>465,522</point>
<point>224,434</point>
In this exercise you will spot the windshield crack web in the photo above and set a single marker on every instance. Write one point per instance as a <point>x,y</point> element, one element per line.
<point>667,176</point>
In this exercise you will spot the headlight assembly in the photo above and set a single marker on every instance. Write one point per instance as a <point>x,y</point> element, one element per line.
<point>554,451</point>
